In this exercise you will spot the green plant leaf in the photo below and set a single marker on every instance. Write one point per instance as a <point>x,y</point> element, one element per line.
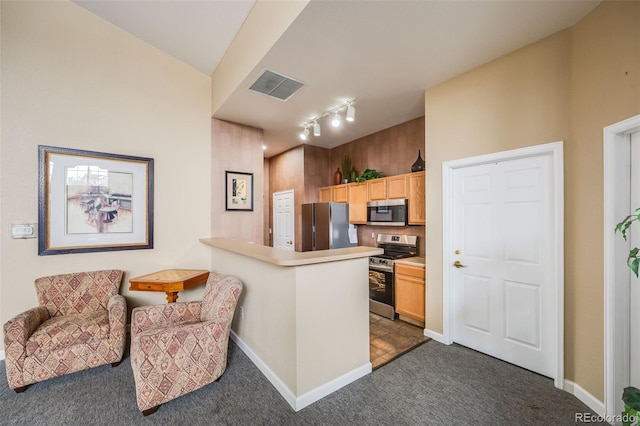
<point>631,397</point>
<point>634,265</point>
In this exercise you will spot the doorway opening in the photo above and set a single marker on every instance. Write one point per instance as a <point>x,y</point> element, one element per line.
<point>617,276</point>
<point>390,339</point>
<point>283,220</point>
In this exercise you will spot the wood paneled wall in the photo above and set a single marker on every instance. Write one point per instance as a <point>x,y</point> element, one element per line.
<point>286,171</point>
<point>238,148</point>
<point>316,164</point>
<point>391,151</point>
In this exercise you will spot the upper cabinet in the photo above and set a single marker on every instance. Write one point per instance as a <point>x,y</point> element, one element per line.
<point>397,186</point>
<point>339,193</point>
<point>324,194</point>
<point>335,193</point>
<point>377,189</point>
<point>358,196</point>
<point>417,202</point>
<point>410,186</point>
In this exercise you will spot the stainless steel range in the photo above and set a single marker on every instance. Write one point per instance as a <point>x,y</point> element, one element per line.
<point>382,271</point>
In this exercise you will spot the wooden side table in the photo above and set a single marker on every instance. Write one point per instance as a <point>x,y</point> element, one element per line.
<point>171,281</point>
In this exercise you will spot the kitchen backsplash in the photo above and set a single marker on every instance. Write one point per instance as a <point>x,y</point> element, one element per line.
<point>367,234</point>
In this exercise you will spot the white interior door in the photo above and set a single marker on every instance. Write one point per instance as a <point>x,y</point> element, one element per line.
<point>634,285</point>
<point>503,287</point>
<point>283,220</point>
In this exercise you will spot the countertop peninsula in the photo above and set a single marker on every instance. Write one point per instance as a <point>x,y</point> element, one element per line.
<point>302,317</point>
<point>290,258</point>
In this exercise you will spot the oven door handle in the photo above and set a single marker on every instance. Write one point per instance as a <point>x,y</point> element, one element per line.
<point>381,268</point>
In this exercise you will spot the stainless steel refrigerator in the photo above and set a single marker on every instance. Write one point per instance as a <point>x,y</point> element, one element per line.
<point>325,226</point>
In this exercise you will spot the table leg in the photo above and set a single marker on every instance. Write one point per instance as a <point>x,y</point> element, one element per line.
<point>172,296</point>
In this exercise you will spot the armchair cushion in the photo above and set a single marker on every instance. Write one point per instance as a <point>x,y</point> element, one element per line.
<point>68,330</point>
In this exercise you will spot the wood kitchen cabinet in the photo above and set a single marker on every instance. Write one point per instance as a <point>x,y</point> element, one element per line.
<point>417,202</point>
<point>410,186</point>
<point>335,193</point>
<point>357,198</point>
<point>397,187</point>
<point>410,291</point>
<point>377,189</point>
<point>324,194</point>
<point>339,193</point>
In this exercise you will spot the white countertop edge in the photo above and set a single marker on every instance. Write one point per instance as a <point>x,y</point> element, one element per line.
<point>290,258</point>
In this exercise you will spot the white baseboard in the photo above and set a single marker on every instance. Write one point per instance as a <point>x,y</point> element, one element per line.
<point>435,336</point>
<point>298,403</point>
<point>1,355</point>
<point>589,400</point>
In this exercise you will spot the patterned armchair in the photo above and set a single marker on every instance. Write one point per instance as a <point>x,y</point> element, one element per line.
<point>179,347</point>
<point>79,324</point>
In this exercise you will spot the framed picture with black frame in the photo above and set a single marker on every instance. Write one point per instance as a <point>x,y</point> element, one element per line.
<point>238,191</point>
<point>93,201</point>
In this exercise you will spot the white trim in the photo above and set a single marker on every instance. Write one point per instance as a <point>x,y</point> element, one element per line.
<point>332,386</point>
<point>1,355</point>
<point>555,149</point>
<point>589,400</point>
<point>435,336</point>
<point>616,307</point>
<point>302,401</point>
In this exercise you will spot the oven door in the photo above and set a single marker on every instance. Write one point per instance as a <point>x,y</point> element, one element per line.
<point>381,285</point>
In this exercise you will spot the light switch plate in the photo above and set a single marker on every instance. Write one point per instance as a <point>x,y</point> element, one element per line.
<point>24,230</point>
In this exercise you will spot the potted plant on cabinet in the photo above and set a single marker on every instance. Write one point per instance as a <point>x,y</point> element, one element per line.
<point>631,394</point>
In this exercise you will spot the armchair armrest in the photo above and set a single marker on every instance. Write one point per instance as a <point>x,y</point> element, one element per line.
<point>156,316</point>
<point>21,327</point>
<point>16,333</point>
<point>117,308</point>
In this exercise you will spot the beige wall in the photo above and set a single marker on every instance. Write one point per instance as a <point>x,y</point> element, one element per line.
<point>565,87</point>
<point>72,80</point>
<point>236,148</point>
<point>262,28</point>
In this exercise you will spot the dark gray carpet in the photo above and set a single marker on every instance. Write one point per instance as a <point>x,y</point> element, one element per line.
<point>434,384</point>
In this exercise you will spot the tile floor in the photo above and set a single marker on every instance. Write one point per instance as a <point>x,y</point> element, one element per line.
<point>390,339</point>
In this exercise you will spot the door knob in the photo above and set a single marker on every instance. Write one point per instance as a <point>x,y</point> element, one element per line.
<point>457,264</point>
<point>289,242</point>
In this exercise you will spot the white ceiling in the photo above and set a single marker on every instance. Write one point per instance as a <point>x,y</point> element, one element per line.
<point>383,53</point>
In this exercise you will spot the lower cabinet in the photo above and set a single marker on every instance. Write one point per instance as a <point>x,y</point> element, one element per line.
<point>410,291</point>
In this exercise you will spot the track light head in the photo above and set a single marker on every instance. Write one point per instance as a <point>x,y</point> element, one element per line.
<point>305,134</point>
<point>351,113</point>
<point>316,129</point>
<point>335,121</point>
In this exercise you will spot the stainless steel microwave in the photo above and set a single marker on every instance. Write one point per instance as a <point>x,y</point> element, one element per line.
<point>387,212</point>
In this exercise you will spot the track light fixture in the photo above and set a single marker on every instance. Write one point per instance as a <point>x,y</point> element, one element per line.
<point>351,113</point>
<point>305,134</point>
<point>336,120</point>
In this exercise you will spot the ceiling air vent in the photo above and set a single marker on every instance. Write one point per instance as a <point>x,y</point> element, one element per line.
<point>276,85</point>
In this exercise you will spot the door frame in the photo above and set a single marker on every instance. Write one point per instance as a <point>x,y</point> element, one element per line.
<point>273,215</point>
<point>617,186</point>
<point>555,150</point>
